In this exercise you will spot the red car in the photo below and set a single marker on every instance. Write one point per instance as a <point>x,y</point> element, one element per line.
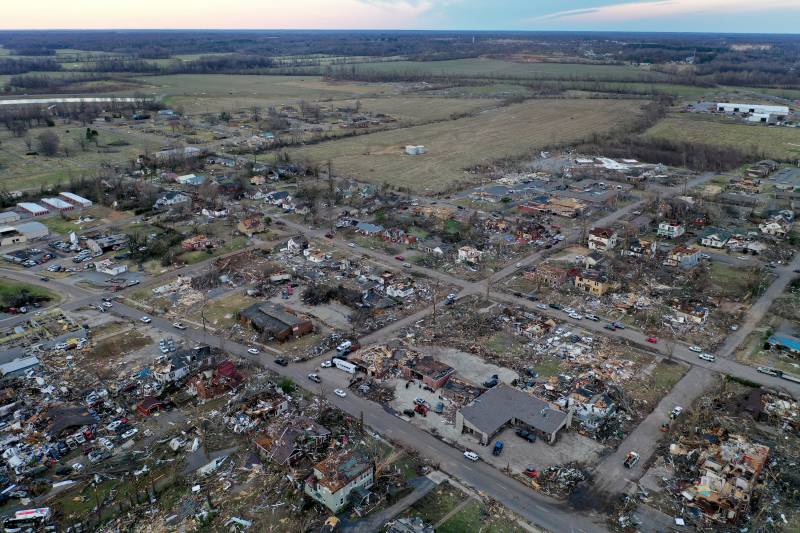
<point>652,340</point>
<point>400,258</point>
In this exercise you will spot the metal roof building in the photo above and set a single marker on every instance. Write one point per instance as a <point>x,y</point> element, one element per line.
<point>74,199</point>
<point>32,209</point>
<point>57,204</point>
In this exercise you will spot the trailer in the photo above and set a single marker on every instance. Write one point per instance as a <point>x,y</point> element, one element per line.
<point>346,366</point>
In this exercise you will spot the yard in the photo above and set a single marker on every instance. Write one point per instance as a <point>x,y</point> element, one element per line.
<point>449,509</point>
<point>457,145</point>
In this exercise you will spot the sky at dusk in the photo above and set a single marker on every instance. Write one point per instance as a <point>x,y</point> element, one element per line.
<point>727,16</point>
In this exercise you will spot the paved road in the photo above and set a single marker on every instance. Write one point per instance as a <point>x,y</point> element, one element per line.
<point>757,311</point>
<point>540,510</point>
<point>611,477</point>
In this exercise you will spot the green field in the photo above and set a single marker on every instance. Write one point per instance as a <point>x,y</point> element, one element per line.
<point>454,146</point>
<point>499,69</point>
<point>23,172</point>
<point>778,143</point>
<point>9,289</point>
<point>200,93</point>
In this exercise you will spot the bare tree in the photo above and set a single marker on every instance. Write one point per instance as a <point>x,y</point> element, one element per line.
<point>49,143</point>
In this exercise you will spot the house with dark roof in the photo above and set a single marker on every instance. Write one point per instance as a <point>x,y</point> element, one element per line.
<point>431,372</point>
<point>504,406</point>
<point>275,321</point>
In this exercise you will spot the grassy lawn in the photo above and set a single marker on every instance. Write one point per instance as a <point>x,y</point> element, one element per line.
<point>778,143</point>
<point>9,289</point>
<point>550,366</point>
<point>59,225</point>
<point>735,283</point>
<point>454,146</point>
<point>120,344</point>
<point>222,311</point>
<point>651,388</point>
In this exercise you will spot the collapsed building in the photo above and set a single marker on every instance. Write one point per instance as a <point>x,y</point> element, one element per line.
<point>275,321</point>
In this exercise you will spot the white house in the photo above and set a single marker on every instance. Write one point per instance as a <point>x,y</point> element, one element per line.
<point>670,230</point>
<point>777,227</point>
<point>172,198</point>
<point>684,257</point>
<point>106,266</point>
<point>400,290</point>
<point>469,254</point>
<point>602,239</point>
<point>715,238</point>
<point>336,477</point>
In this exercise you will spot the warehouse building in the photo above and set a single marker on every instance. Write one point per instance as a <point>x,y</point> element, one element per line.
<point>32,209</point>
<point>57,204</point>
<point>33,230</point>
<point>74,199</point>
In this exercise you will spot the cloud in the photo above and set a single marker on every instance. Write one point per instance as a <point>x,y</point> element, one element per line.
<point>255,14</point>
<point>655,9</point>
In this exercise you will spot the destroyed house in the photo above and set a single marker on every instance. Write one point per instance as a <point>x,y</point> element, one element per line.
<point>684,257</point>
<point>335,478</point>
<point>63,418</point>
<point>183,363</point>
<point>729,474</point>
<point>602,239</point>
<point>287,444</point>
<point>549,274</point>
<point>504,405</point>
<point>690,313</point>
<point>150,405</point>
<point>715,238</point>
<point>212,383</point>
<point>593,281</point>
<point>786,342</point>
<point>275,321</point>
<point>638,247</point>
<point>431,372</point>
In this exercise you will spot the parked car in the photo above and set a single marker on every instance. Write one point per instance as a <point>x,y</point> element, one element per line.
<point>315,378</point>
<point>555,306</point>
<point>282,361</point>
<point>406,265</point>
<point>592,317</point>
<point>410,413</point>
<point>610,327</point>
<point>400,258</point>
<point>631,459</point>
<point>498,447</point>
<point>531,472</point>
<point>146,319</point>
<point>326,364</point>
<point>527,435</point>
<point>252,350</point>
<point>340,393</point>
<point>178,325</point>
<point>130,433</point>
<point>696,349</point>
<point>676,411</point>
<point>541,306</point>
<point>652,340</point>
<point>618,325</point>
<point>472,456</point>
<point>707,357</point>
